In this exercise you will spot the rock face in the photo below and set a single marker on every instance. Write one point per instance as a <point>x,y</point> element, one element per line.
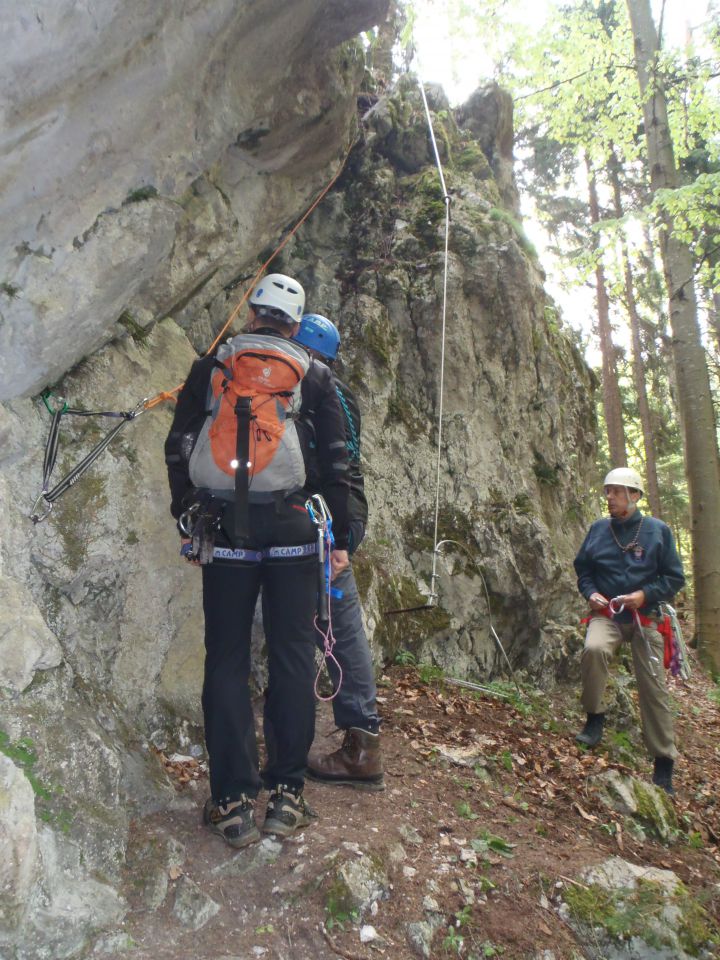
<point>517,417</point>
<point>624,911</point>
<point>171,164</point>
<point>148,167</point>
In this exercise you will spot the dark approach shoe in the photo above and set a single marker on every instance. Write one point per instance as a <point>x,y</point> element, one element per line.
<point>358,762</point>
<point>662,774</point>
<point>287,811</point>
<point>591,733</point>
<point>234,821</point>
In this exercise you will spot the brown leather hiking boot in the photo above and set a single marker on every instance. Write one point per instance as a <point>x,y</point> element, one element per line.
<point>358,762</point>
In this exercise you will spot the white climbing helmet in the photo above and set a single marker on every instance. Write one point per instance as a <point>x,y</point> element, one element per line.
<point>278,292</point>
<point>624,477</point>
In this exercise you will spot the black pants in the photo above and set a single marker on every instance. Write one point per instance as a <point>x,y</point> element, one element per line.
<point>230,592</point>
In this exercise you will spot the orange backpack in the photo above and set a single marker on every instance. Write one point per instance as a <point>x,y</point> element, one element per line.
<point>248,449</point>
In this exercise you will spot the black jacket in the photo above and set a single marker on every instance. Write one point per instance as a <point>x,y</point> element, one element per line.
<point>357,505</point>
<point>320,406</point>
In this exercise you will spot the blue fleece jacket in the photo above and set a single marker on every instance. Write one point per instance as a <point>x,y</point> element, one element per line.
<point>653,567</point>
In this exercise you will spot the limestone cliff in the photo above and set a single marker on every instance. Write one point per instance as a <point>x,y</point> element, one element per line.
<point>153,152</point>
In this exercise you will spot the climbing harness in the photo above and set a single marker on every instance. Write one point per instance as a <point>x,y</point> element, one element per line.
<point>675,657</point>
<point>47,497</point>
<point>616,606</point>
<point>200,523</point>
<point>320,515</point>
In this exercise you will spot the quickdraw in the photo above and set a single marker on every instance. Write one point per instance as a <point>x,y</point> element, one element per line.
<point>320,515</point>
<point>47,497</point>
<point>616,606</point>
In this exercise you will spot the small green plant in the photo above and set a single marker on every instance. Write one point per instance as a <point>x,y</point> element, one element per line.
<point>695,840</point>
<point>490,949</point>
<point>266,928</point>
<point>428,673</point>
<point>142,193</point>
<point>463,916</point>
<point>464,810</point>
<point>453,941</point>
<point>506,760</point>
<point>487,842</point>
<point>337,916</point>
<point>23,755</point>
<point>9,289</point>
<point>405,658</point>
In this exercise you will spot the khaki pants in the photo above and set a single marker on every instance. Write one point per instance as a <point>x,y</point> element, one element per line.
<point>602,641</point>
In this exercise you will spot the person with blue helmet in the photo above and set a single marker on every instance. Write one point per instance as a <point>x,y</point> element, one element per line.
<point>358,761</point>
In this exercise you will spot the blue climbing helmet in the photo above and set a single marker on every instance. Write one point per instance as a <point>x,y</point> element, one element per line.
<point>319,334</point>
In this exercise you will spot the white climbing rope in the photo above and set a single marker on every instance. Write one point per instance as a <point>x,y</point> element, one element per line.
<point>432,599</point>
<point>446,197</point>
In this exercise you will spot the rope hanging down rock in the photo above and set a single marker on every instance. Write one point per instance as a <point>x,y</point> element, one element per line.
<point>438,545</point>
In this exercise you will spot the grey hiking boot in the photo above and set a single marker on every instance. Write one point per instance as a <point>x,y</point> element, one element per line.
<point>662,774</point>
<point>591,733</point>
<point>287,811</point>
<point>233,820</point>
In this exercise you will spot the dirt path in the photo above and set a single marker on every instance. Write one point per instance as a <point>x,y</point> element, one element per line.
<point>471,855</point>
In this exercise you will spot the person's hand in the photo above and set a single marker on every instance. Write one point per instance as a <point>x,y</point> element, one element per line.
<point>597,601</point>
<point>185,547</point>
<point>633,601</point>
<point>339,559</point>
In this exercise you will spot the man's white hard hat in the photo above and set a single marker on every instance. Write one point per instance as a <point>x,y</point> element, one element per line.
<point>624,477</point>
<point>278,292</point>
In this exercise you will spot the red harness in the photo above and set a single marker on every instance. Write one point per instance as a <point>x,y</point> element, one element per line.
<point>663,627</point>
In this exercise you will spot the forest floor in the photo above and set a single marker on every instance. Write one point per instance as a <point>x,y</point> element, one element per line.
<point>490,811</point>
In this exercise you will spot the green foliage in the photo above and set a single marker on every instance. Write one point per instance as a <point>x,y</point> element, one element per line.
<point>429,673</point>
<point>9,289</point>
<point>487,842</point>
<point>23,754</point>
<point>465,811</point>
<point>499,215</point>
<point>453,941</point>
<point>138,333</point>
<point>638,912</point>
<point>339,908</point>
<point>695,840</point>
<point>405,658</point>
<point>140,194</point>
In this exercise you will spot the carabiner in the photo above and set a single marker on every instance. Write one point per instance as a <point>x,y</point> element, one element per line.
<point>185,519</point>
<point>34,515</point>
<point>60,409</point>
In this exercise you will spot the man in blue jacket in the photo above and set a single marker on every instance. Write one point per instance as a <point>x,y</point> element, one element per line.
<point>358,762</point>
<point>629,558</point>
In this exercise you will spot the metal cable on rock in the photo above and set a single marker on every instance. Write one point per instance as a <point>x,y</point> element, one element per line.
<point>43,504</point>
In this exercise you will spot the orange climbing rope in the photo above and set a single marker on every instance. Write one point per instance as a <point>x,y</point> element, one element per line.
<point>171,394</point>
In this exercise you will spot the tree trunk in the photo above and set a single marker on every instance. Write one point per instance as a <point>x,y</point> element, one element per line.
<point>611,391</point>
<point>702,464</point>
<point>653,492</point>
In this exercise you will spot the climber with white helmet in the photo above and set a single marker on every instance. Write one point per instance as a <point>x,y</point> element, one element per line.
<point>625,567</point>
<point>237,480</point>
<point>358,761</point>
